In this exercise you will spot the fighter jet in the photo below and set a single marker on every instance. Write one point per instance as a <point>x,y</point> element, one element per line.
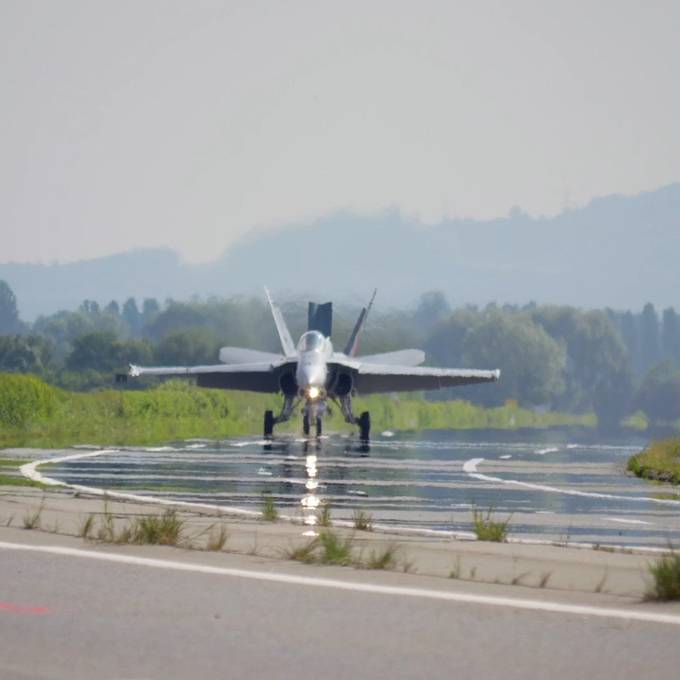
<point>312,373</point>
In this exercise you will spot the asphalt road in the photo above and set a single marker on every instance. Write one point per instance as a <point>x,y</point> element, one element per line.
<point>65,616</point>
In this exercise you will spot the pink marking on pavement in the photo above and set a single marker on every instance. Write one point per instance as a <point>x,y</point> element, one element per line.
<point>14,608</point>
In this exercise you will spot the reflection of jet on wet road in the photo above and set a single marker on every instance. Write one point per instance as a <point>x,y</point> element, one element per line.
<point>313,372</point>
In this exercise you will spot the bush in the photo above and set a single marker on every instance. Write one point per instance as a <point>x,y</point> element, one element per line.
<point>24,398</point>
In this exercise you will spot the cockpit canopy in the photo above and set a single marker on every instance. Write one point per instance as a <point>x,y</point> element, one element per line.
<point>312,341</point>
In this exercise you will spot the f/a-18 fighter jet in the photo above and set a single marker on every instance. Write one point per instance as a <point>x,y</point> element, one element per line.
<point>312,372</point>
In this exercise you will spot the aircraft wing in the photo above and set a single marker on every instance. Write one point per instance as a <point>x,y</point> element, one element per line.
<point>374,378</point>
<point>253,377</point>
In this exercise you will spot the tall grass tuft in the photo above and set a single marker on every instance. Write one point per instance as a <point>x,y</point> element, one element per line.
<point>335,549</point>
<point>488,529</point>
<point>269,511</point>
<point>86,527</point>
<point>217,538</point>
<point>306,553</point>
<point>164,529</point>
<point>666,578</point>
<point>363,521</point>
<point>33,519</point>
<point>385,558</point>
<point>324,516</point>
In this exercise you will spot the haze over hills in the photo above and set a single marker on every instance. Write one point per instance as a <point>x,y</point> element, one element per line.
<point>618,251</point>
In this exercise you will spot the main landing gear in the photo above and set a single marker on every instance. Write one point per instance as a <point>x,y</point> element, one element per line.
<point>312,418</point>
<point>363,421</point>
<point>270,419</point>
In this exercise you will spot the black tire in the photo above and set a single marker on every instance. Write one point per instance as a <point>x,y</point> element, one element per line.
<point>365,426</point>
<point>268,423</point>
<point>305,425</point>
<point>319,427</point>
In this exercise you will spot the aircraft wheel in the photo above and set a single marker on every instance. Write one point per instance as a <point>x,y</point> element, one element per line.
<point>305,425</point>
<point>318,427</point>
<point>268,423</point>
<point>365,426</point>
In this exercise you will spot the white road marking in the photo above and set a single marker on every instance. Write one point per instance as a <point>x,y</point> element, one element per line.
<point>466,598</point>
<point>470,467</point>
<point>507,456</point>
<point>621,520</point>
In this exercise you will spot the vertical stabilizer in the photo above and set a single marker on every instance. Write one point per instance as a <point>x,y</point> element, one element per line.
<point>353,343</point>
<point>320,318</point>
<point>287,344</point>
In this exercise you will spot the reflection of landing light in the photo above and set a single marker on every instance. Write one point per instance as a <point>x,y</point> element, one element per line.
<point>310,502</point>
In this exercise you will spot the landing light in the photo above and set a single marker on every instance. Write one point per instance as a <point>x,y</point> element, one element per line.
<point>313,392</point>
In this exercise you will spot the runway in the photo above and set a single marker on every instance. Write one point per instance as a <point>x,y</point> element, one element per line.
<point>552,486</point>
<point>70,616</point>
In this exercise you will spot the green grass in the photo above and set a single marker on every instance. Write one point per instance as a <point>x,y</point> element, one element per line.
<point>33,518</point>
<point>217,538</point>
<point>363,521</point>
<point>269,511</point>
<point>665,573</point>
<point>327,548</point>
<point>659,461</point>
<point>305,553</point>
<point>165,529</point>
<point>33,413</point>
<point>15,478</point>
<point>486,528</point>
<point>384,558</point>
<point>86,527</point>
<point>335,549</point>
<point>13,462</point>
<point>20,480</point>
<point>324,515</point>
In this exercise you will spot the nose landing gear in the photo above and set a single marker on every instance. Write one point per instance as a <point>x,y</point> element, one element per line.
<point>306,425</point>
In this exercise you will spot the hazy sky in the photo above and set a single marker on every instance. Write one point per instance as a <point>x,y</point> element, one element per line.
<point>146,123</point>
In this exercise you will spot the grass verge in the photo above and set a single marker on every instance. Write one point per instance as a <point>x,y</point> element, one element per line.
<point>660,461</point>
<point>33,413</point>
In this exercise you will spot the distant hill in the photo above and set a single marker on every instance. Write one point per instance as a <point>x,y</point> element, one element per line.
<point>618,251</point>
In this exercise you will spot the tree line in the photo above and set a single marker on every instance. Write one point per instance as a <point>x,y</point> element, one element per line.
<point>610,362</point>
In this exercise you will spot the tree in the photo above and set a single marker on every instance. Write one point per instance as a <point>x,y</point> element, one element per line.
<point>150,308</point>
<point>659,394</point>
<point>24,354</point>
<point>432,308</point>
<point>112,308</point>
<point>132,317</point>
<point>89,307</point>
<point>532,363</point>
<point>631,339</point>
<point>192,346</point>
<point>670,335</point>
<point>649,336</point>
<point>103,352</point>
<point>9,313</point>
<point>598,374</point>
